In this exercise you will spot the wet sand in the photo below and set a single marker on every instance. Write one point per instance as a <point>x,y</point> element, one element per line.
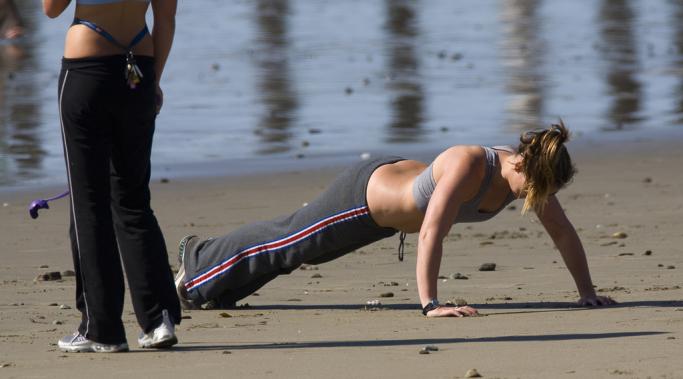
<point>305,326</point>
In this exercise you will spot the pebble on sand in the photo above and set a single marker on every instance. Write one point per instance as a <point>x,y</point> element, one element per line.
<point>459,276</point>
<point>57,322</point>
<point>487,267</point>
<point>472,373</point>
<point>316,276</point>
<point>225,315</point>
<point>387,294</point>
<point>671,267</point>
<point>648,252</point>
<point>48,276</point>
<point>64,306</point>
<point>66,273</point>
<point>619,235</point>
<point>423,351</point>
<point>432,348</point>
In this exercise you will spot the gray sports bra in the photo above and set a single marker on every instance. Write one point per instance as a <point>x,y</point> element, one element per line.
<point>424,185</point>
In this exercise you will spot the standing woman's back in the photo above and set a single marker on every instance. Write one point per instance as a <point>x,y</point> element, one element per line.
<point>109,96</point>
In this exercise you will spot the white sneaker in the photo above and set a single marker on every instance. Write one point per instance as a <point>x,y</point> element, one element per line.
<point>77,343</point>
<point>161,337</point>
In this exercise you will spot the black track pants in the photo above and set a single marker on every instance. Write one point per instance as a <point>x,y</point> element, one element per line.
<point>107,131</point>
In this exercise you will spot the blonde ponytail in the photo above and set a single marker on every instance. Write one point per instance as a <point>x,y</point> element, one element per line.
<point>545,164</point>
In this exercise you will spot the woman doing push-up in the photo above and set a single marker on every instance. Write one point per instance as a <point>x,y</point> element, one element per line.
<point>380,197</point>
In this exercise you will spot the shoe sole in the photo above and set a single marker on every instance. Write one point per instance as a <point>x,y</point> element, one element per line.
<point>161,344</point>
<point>92,349</point>
<point>183,248</point>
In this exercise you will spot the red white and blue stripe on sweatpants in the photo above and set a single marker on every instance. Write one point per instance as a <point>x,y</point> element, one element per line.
<point>274,246</point>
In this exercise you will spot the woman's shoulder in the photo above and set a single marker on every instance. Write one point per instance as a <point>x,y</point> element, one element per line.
<point>462,158</point>
<point>467,153</point>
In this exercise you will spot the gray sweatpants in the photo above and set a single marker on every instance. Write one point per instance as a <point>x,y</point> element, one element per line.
<point>232,267</point>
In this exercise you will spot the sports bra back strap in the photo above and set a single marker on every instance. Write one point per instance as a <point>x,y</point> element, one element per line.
<point>109,37</point>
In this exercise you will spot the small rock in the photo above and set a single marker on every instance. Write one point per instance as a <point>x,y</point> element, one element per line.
<point>660,265</point>
<point>671,267</point>
<point>472,373</point>
<point>512,207</point>
<point>49,276</point>
<point>64,306</point>
<point>186,317</point>
<point>164,180</point>
<point>647,180</point>
<point>215,67</point>
<point>387,294</point>
<point>459,276</point>
<point>647,252</point>
<point>431,348</point>
<point>316,276</point>
<point>348,90</point>
<point>456,56</point>
<point>424,351</point>
<point>227,352</point>
<point>305,143</point>
<point>67,273</point>
<point>52,305</point>
<point>3,365</point>
<point>625,254</point>
<point>619,235</point>
<point>57,322</point>
<point>443,129</point>
<point>44,266</point>
<point>487,267</point>
<point>225,315</point>
<point>671,338</point>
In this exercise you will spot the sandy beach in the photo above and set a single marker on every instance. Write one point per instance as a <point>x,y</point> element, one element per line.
<point>314,323</point>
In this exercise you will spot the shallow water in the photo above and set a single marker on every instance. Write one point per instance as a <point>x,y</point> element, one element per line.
<point>279,84</point>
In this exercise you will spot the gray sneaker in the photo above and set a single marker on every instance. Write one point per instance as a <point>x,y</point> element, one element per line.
<point>186,245</point>
<point>77,343</point>
<point>162,336</point>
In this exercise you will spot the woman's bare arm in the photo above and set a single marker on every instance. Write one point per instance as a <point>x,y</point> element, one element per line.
<point>457,184</point>
<point>162,34</point>
<point>569,244</point>
<point>53,8</point>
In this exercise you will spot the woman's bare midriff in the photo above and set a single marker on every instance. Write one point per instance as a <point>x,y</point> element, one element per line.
<point>122,20</point>
<point>390,196</point>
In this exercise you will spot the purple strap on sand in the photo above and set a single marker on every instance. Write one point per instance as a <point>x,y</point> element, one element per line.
<point>42,204</point>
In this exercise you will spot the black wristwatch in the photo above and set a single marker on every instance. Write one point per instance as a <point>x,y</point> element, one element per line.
<point>432,305</point>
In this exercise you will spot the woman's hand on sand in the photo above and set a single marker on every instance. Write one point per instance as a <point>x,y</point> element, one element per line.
<point>448,311</point>
<point>595,301</point>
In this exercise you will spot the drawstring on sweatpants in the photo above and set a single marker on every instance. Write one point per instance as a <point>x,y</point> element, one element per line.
<point>401,245</point>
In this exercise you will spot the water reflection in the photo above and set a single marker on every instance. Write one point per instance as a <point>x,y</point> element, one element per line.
<point>21,152</point>
<point>274,83</point>
<point>618,49</point>
<point>405,89</point>
<point>523,52</point>
<point>677,26</point>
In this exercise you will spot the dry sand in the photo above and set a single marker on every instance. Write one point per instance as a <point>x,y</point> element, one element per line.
<point>300,326</point>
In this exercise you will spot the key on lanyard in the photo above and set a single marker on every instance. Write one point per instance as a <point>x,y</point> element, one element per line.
<point>133,74</point>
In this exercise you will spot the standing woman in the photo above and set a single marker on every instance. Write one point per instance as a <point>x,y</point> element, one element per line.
<point>109,97</point>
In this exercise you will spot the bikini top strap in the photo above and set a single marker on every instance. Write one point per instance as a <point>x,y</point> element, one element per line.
<point>109,37</point>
